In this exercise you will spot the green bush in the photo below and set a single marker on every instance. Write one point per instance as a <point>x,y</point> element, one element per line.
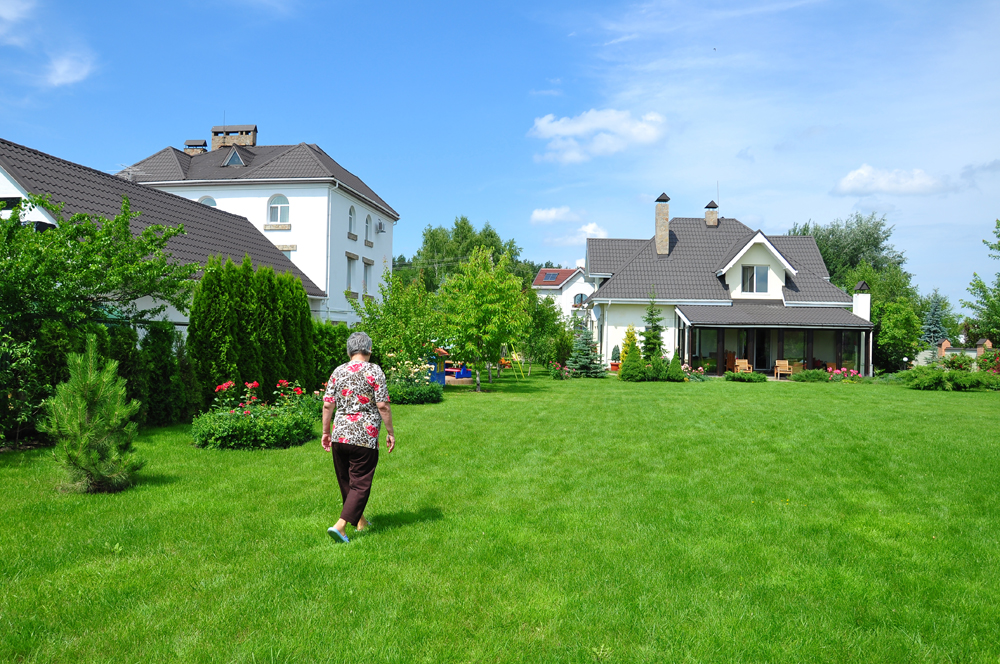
<point>989,361</point>
<point>656,369</point>
<point>89,417</point>
<point>937,378</point>
<point>632,369</point>
<point>248,422</point>
<point>675,372</point>
<point>749,377</point>
<point>958,362</point>
<point>811,376</point>
<point>330,349</point>
<point>401,394</point>
<point>616,354</point>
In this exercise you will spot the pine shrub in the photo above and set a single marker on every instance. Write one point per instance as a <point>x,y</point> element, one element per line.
<point>89,417</point>
<point>585,360</point>
<point>616,354</point>
<point>745,377</point>
<point>632,369</point>
<point>675,372</point>
<point>630,341</point>
<point>810,376</point>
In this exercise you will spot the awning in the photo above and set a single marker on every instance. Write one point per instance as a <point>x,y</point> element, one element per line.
<point>770,315</point>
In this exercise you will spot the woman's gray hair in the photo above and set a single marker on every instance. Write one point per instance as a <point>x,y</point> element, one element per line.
<point>359,342</point>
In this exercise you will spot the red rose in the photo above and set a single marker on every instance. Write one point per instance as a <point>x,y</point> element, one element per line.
<point>253,398</point>
<point>363,399</point>
<point>353,417</point>
<point>298,390</point>
<point>372,431</point>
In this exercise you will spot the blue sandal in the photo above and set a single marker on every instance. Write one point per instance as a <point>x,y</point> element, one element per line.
<point>335,534</point>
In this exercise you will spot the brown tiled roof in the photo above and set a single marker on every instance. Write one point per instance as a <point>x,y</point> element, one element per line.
<point>560,278</point>
<point>209,231</point>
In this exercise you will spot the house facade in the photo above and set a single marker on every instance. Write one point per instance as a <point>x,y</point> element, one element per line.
<point>569,289</point>
<point>325,219</point>
<point>209,231</point>
<point>727,292</point>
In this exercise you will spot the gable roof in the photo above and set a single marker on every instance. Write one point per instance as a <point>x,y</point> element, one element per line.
<point>560,277</point>
<point>741,247</point>
<point>697,251</point>
<point>261,162</point>
<point>210,231</point>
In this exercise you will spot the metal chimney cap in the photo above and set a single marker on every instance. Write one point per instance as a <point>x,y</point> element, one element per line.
<point>711,205</point>
<point>663,198</point>
<point>195,143</point>
<point>861,286</point>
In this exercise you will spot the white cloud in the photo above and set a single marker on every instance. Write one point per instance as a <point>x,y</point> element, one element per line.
<point>68,68</point>
<point>546,93</point>
<point>594,133</point>
<point>868,180</point>
<point>621,39</point>
<point>579,237</point>
<point>581,262</point>
<point>13,12</point>
<point>551,215</point>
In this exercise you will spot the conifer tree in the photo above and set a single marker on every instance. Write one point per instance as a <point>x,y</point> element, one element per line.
<point>934,328</point>
<point>123,347</point>
<point>269,328</point>
<point>212,332</point>
<point>240,284</point>
<point>585,359</point>
<point>631,341</point>
<point>90,419</point>
<point>291,327</point>
<point>652,336</point>
<point>161,368</point>
<point>675,374</point>
<point>616,354</point>
<point>632,368</point>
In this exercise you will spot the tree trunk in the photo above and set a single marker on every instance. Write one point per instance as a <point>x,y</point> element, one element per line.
<point>478,386</point>
<point>529,369</point>
<point>489,371</point>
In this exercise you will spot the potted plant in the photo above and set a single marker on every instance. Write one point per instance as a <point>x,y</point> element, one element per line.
<point>616,356</point>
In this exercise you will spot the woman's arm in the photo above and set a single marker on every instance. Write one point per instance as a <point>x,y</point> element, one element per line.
<point>327,440</point>
<point>390,435</point>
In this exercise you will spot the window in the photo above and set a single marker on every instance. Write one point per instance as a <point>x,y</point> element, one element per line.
<point>287,253</point>
<point>351,227</point>
<point>550,276</point>
<point>368,228</point>
<point>350,274</point>
<point>579,298</point>
<point>207,200</point>
<point>366,284</point>
<point>233,159</point>
<point>278,210</point>
<point>754,278</point>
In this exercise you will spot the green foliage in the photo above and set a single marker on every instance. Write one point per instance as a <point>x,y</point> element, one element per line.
<point>213,330</point>
<point>810,376</point>
<point>616,354</point>
<point>89,417</point>
<point>656,368</point>
<point>938,378</point>
<point>401,394</point>
<point>958,362</point>
<point>630,341</point>
<point>166,390</point>
<point>985,302</point>
<point>746,377</point>
<point>897,327</point>
<point>238,283</point>
<point>402,322</point>
<point>934,328</point>
<point>989,361</point>
<point>846,244</point>
<point>562,342</point>
<point>585,361</point>
<point>675,372</point>
<point>544,329</point>
<point>270,329</point>
<point>330,350</point>
<point>123,347</point>
<point>485,309</point>
<point>252,422</point>
<point>652,335</point>
<point>632,368</point>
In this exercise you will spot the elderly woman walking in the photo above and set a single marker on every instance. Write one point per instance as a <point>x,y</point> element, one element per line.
<point>358,392</point>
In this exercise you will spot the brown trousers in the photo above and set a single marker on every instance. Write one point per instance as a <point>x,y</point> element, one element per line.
<point>355,466</point>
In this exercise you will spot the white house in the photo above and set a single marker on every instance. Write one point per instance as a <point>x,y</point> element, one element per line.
<point>568,288</point>
<point>727,292</point>
<point>324,218</point>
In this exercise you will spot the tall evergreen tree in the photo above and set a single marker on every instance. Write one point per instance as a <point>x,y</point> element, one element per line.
<point>985,304</point>
<point>269,333</point>
<point>630,341</point>
<point>632,368</point>
<point>240,284</point>
<point>933,326</point>
<point>90,419</point>
<point>585,358</point>
<point>161,367</point>
<point>292,327</point>
<point>123,347</point>
<point>652,336</point>
<point>213,332</point>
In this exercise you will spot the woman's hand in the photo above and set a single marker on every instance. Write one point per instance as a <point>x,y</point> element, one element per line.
<point>390,442</point>
<point>327,441</point>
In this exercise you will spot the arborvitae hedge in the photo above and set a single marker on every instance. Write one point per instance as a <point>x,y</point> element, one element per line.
<point>632,368</point>
<point>213,331</point>
<point>240,282</point>
<point>330,348</point>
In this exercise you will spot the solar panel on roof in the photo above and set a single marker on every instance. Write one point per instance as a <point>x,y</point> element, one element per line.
<point>551,276</point>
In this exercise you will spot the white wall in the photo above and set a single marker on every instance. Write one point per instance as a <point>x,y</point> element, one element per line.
<point>9,188</point>
<point>758,254</point>
<point>620,316</point>
<point>563,296</point>
<point>318,214</point>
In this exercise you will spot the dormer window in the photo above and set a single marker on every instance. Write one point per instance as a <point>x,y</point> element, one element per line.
<point>277,210</point>
<point>550,276</point>
<point>754,278</point>
<point>233,159</point>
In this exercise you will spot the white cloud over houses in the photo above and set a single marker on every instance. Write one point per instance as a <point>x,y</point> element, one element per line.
<point>594,133</point>
<point>578,237</point>
<point>867,181</point>
<point>20,29</point>
<point>69,68</point>
<point>552,215</point>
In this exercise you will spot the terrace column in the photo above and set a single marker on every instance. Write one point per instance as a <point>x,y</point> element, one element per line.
<point>838,343</point>
<point>809,349</point>
<point>720,360</point>
<point>781,345</point>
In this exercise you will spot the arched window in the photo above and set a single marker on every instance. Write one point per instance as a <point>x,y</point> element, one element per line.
<point>579,298</point>
<point>277,210</point>
<point>368,229</point>
<point>351,227</point>
<point>207,200</point>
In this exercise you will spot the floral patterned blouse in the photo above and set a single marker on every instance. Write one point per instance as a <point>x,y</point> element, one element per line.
<point>355,388</point>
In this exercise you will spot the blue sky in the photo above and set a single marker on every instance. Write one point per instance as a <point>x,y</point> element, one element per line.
<point>554,121</point>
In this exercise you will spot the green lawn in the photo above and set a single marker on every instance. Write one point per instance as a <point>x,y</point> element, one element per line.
<point>541,522</point>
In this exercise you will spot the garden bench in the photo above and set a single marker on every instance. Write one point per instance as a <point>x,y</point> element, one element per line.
<point>781,367</point>
<point>743,366</point>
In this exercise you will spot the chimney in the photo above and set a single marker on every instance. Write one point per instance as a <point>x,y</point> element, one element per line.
<point>943,347</point>
<point>663,225</point>
<point>227,135</point>
<point>711,214</point>
<point>861,304</point>
<point>982,346</point>
<point>194,147</point>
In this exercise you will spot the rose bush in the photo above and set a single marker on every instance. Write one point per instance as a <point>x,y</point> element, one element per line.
<point>248,422</point>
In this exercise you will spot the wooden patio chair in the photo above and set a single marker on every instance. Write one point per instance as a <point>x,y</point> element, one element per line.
<point>781,367</point>
<point>743,366</point>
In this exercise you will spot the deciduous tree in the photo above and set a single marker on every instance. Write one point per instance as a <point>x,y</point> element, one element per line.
<point>985,305</point>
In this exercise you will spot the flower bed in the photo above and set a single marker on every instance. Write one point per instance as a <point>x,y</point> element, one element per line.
<point>248,422</point>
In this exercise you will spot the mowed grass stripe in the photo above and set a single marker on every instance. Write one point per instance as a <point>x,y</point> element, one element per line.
<point>542,521</point>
